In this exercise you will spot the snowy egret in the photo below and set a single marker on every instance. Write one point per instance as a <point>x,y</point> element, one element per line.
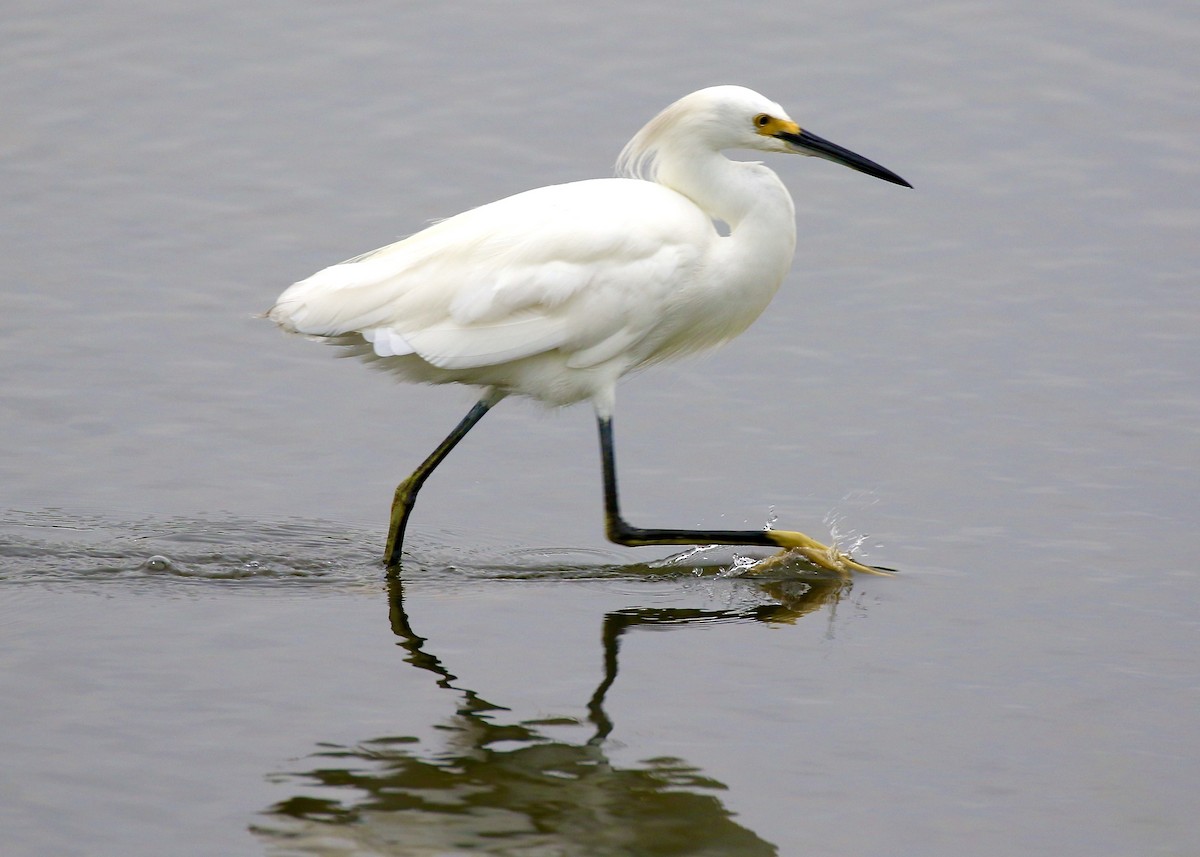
<point>557,292</point>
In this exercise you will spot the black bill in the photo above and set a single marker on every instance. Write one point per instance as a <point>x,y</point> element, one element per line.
<point>810,144</point>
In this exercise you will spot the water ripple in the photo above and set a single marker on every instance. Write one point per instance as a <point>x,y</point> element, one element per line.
<point>53,545</point>
<point>57,546</point>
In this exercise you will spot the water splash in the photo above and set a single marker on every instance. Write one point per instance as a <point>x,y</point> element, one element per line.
<point>742,565</point>
<point>844,536</point>
<point>688,559</point>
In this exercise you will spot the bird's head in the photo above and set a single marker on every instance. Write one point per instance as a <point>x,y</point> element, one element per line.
<point>734,117</point>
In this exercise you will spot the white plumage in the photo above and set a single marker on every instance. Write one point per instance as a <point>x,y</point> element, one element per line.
<point>555,293</point>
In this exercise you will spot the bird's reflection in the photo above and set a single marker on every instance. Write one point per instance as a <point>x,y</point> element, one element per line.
<point>520,788</point>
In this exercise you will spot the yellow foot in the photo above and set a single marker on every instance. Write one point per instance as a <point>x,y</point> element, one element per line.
<point>818,554</point>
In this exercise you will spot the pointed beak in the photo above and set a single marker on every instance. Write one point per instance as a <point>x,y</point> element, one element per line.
<point>810,144</point>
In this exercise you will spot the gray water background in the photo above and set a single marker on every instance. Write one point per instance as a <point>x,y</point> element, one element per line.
<point>990,380</point>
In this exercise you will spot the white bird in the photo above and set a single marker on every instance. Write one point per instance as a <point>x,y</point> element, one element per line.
<point>557,292</point>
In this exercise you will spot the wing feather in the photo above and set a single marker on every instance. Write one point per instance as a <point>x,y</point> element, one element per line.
<point>561,267</point>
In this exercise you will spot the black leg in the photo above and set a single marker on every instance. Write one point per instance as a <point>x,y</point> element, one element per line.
<point>406,491</point>
<point>622,533</point>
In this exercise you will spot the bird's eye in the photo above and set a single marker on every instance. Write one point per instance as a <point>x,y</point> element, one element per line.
<point>762,120</point>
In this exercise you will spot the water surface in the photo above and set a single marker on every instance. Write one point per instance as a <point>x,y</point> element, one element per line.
<point>988,381</point>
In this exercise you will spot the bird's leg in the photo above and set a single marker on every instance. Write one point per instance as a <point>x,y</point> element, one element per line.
<point>406,491</point>
<point>622,533</point>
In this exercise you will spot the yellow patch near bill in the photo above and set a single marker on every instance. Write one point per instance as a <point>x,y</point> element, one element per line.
<point>771,126</point>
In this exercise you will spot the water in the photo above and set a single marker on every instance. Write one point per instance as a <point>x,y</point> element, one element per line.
<point>988,381</point>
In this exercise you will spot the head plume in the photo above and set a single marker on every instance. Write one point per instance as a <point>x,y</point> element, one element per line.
<point>711,117</point>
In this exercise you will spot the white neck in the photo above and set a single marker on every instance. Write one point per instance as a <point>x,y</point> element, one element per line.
<point>751,199</point>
